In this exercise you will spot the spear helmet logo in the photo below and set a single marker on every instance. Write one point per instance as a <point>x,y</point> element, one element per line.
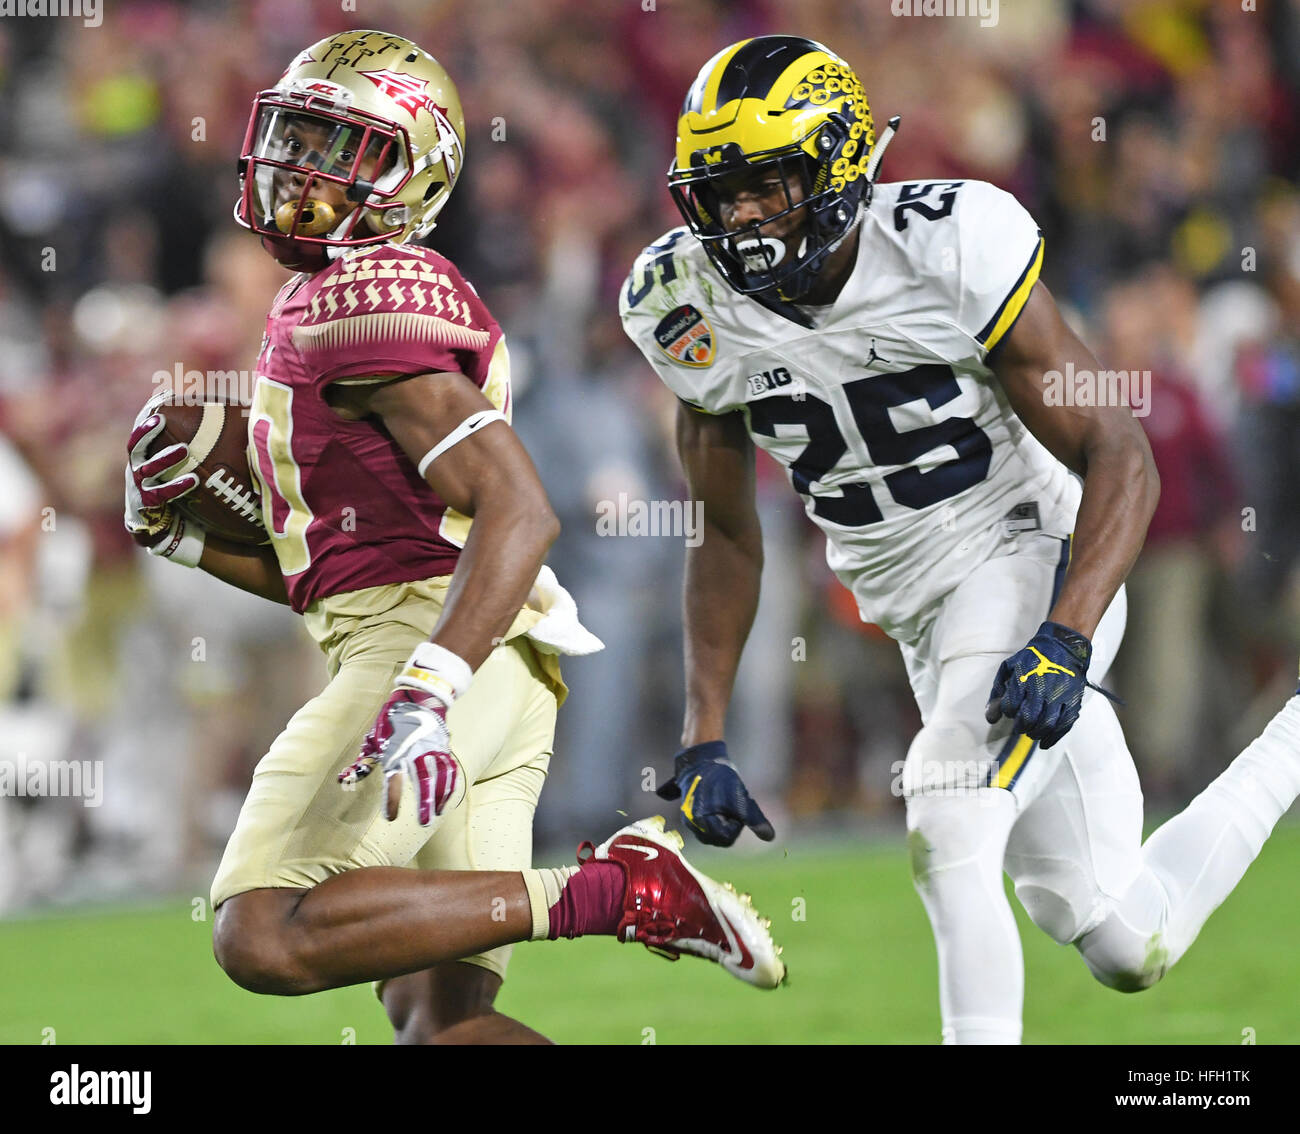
<point>407,91</point>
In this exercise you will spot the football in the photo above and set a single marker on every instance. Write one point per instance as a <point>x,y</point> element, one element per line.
<point>226,502</point>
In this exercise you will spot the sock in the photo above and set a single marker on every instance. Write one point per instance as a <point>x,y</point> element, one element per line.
<point>574,901</point>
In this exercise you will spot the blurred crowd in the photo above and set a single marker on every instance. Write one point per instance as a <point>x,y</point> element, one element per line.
<point>1157,142</point>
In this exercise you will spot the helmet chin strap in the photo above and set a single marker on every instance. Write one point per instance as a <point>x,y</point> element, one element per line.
<point>853,227</point>
<point>334,251</point>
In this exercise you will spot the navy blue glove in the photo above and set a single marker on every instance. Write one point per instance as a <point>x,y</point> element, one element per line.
<point>1041,687</point>
<point>714,800</point>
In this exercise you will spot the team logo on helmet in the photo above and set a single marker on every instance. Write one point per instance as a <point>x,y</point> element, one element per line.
<point>406,91</point>
<point>685,336</point>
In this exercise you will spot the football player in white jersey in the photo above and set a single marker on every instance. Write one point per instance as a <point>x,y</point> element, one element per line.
<point>891,346</point>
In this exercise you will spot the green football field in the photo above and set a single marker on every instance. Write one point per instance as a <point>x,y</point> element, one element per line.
<point>862,969</point>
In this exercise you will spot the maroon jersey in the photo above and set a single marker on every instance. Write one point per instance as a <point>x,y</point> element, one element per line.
<point>345,506</point>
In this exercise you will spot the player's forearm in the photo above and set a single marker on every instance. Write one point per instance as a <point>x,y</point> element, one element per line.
<point>1120,491</point>
<point>506,548</point>
<point>252,569</point>
<point>723,576</point>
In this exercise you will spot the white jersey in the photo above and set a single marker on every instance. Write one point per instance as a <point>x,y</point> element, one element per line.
<point>885,415</point>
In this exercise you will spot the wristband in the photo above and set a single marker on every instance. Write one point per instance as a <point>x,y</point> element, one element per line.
<point>182,542</point>
<point>435,670</point>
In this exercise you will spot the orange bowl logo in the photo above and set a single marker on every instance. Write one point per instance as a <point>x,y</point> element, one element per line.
<point>685,336</point>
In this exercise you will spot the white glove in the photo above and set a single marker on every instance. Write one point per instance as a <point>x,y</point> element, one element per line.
<point>150,518</point>
<point>409,739</point>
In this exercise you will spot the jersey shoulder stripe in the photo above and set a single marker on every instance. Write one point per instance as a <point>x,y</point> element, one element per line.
<point>391,310</point>
<point>391,295</point>
<point>1009,311</point>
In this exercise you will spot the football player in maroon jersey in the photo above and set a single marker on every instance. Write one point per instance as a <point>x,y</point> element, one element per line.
<point>409,528</point>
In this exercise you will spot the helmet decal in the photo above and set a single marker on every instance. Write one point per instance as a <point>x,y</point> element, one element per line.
<point>407,91</point>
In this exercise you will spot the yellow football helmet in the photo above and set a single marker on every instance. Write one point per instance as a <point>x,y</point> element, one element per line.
<point>360,142</point>
<point>786,102</point>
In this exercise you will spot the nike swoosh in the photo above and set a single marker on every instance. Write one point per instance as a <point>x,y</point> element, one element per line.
<point>736,942</point>
<point>650,852</point>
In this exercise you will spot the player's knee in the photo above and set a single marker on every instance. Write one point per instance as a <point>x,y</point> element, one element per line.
<point>413,1030</point>
<point>410,1011</point>
<point>254,952</point>
<point>1128,978</point>
<point>451,1003</point>
<point>420,1030</point>
<point>1130,965</point>
<point>947,831</point>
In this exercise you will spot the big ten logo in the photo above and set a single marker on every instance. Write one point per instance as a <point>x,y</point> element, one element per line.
<point>766,380</point>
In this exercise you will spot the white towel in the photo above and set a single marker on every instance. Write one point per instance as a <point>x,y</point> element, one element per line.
<point>559,632</point>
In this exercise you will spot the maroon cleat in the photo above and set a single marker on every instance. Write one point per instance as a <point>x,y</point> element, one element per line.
<point>671,908</point>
